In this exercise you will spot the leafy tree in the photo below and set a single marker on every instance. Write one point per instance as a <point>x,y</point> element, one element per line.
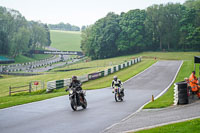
<point>187,28</point>
<point>159,27</point>
<point>18,36</point>
<point>21,40</point>
<point>102,42</point>
<point>48,35</point>
<point>87,41</point>
<point>131,37</point>
<point>173,14</point>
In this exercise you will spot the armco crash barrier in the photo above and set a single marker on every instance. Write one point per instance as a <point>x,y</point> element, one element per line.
<point>56,84</point>
<point>83,78</point>
<point>92,76</point>
<point>59,84</point>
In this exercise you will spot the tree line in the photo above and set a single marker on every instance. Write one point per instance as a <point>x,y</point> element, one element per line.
<point>62,26</point>
<point>18,36</point>
<point>169,27</point>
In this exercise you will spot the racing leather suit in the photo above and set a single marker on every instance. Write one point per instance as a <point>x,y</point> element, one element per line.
<point>77,85</point>
<point>117,83</point>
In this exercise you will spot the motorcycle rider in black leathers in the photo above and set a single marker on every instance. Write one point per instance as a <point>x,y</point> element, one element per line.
<point>117,82</point>
<point>77,85</point>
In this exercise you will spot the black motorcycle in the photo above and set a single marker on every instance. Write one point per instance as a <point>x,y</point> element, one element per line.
<point>77,98</point>
<point>119,95</point>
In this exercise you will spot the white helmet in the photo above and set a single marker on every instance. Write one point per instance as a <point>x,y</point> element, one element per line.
<point>115,78</point>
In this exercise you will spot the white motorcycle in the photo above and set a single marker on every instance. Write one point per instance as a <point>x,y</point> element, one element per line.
<point>119,95</point>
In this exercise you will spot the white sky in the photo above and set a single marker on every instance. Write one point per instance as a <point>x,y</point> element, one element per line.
<point>76,12</point>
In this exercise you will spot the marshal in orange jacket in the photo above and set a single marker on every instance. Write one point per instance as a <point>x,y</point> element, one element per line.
<point>193,82</point>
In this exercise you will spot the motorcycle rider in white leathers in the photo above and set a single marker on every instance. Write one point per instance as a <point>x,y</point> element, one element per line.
<point>117,82</point>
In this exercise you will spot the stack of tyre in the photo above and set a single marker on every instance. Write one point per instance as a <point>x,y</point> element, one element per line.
<point>182,92</point>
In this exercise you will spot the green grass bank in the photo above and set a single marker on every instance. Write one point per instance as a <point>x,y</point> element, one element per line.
<point>190,126</point>
<point>66,40</point>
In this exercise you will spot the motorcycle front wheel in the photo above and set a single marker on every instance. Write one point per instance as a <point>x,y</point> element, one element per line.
<point>74,106</point>
<point>117,97</point>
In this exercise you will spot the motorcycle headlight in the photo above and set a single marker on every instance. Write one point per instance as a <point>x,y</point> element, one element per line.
<point>70,92</point>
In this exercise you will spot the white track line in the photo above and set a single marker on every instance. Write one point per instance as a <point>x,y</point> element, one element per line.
<point>126,118</point>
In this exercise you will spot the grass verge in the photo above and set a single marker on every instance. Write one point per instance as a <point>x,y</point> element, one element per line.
<point>191,126</point>
<point>22,98</point>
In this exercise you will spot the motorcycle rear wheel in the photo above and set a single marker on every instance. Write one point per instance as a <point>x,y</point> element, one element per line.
<point>84,106</point>
<point>122,96</point>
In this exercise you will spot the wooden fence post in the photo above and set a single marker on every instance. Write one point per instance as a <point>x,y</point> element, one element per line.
<point>30,87</point>
<point>43,85</point>
<point>10,91</point>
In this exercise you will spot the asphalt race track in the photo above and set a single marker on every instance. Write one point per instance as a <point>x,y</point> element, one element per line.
<point>56,116</point>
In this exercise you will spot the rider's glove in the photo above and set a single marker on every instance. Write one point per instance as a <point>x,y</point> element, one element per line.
<point>67,89</point>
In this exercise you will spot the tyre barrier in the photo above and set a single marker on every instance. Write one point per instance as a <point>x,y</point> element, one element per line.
<point>182,93</point>
<point>175,94</point>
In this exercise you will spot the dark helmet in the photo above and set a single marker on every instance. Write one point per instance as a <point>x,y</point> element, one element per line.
<point>115,78</point>
<point>74,78</point>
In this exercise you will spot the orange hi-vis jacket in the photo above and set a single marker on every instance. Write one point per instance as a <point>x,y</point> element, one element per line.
<point>193,82</point>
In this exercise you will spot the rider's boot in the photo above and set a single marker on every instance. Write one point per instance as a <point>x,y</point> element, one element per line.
<point>198,94</point>
<point>122,92</point>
